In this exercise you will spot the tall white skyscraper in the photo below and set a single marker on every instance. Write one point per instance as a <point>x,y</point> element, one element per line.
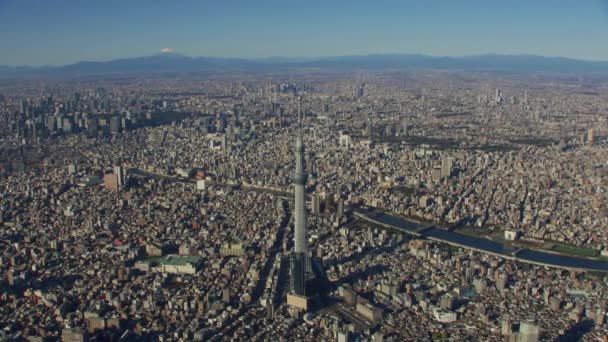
<point>120,175</point>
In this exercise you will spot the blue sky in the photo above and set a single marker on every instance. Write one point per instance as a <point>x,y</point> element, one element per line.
<point>37,32</point>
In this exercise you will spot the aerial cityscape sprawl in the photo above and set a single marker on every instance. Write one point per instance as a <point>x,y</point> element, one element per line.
<point>403,206</point>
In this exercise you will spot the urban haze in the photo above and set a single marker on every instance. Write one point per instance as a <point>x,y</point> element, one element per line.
<point>370,194</point>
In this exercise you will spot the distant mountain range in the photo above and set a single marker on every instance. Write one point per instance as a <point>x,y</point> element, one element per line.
<point>176,63</point>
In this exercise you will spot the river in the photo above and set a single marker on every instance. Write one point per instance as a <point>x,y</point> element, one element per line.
<point>492,247</point>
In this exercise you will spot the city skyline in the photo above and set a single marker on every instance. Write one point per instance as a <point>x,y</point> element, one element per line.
<point>37,33</point>
<point>273,170</point>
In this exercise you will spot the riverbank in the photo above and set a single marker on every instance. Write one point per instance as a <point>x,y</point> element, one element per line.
<point>483,245</point>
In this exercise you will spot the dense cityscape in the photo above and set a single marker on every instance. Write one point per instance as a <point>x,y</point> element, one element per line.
<point>321,206</point>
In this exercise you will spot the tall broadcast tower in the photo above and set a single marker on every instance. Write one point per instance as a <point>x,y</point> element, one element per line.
<point>299,257</point>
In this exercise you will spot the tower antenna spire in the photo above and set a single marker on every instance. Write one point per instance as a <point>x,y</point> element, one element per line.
<point>300,116</point>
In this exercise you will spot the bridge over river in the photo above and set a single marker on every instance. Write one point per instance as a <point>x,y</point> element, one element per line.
<point>485,245</point>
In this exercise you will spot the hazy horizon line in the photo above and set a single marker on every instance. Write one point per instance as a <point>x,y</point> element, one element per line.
<point>309,58</point>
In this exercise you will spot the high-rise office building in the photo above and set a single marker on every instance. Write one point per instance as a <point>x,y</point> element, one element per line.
<point>528,332</point>
<point>92,126</point>
<point>316,204</point>
<point>115,124</point>
<point>498,96</point>
<point>446,167</point>
<point>340,208</point>
<point>361,90</point>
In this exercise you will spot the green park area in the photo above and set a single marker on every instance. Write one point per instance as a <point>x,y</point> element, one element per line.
<point>173,259</point>
<point>550,246</point>
<point>563,248</point>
